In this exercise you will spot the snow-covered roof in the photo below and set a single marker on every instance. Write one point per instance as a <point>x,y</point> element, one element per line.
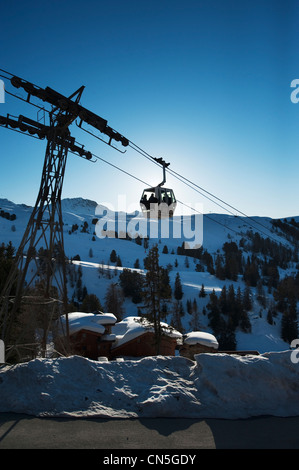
<point>201,337</point>
<point>132,327</point>
<point>88,321</point>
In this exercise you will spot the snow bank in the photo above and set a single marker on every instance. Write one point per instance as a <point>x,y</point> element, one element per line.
<point>214,386</point>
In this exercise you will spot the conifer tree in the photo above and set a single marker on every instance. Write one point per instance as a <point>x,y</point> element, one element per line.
<point>91,304</point>
<point>114,301</point>
<point>251,272</point>
<point>243,319</point>
<point>177,314</point>
<point>227,339</point>
<point>178,290</point>
<point>189,306</point>
<point>194,322</point>
<point>202,292</point>
<point>152,293</point>
<point>289,323</point>
<point>131,283</point>
<point>137,264</point>
<point>261,294</point>
<point>219,268</point>
<point>223,303</point>
<point>270,317</point>
<point>6,261</point>
<point>113,257</point>
<point>215,320</point>
<point>247,302</point>
<point>165,289</point>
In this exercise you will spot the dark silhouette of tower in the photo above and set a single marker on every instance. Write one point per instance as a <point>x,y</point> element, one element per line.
<point>40,259</point>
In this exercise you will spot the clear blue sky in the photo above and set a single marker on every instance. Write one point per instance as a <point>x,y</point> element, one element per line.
<point>204,84</point>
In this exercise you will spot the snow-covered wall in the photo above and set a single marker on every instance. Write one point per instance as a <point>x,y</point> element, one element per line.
<point>213,386</point>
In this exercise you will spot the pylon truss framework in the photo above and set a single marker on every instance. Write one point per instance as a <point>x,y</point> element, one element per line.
<point>40,255</point>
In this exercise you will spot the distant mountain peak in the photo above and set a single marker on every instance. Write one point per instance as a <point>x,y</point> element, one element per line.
<point>79,201</point>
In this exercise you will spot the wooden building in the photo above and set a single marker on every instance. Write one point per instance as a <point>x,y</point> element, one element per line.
<point>145,345</point>
<point>135,337</point>
<point>198,342</point>
<point>91,344</point>
<point>90,333</point>
<point>98,335</point>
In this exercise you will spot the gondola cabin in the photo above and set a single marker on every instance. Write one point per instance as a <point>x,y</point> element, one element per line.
<point>158,202</point>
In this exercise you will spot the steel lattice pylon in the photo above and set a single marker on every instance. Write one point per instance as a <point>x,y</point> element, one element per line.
<point>44,229</point>
<point>40,259</point>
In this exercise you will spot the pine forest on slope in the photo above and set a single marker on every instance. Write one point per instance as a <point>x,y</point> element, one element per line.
<point>242,284</point>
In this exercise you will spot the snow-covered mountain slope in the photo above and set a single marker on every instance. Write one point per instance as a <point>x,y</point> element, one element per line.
<point>82,237</point>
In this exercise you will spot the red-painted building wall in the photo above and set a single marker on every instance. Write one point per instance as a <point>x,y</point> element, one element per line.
<point>145,345</point>
<point>90,344</point>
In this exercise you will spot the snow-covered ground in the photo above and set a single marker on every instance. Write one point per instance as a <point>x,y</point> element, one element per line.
<point>213,386</point>
<point>95,252</point>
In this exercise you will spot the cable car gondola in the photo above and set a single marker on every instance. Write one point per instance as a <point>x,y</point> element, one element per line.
<point>158,202</point>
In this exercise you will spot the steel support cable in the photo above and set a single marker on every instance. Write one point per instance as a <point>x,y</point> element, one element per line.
<point>13,75</point>
<point>131,144</point>
<point>8,73</point>
<point>227,210</point>
<point>181,178</point>
<point>120,169</point>
<point>3,76</point>
<point>19,97</point>
<point>143,153</point>
<point>247,222</point>
<point>152,159</point>
<point>209,217</point>
<point>28,102</point>
<point>218,199</point>
<point>143,182</point>
<point>136,178</point>
<point>188,182</point>
<point>41,108</point>
<point>147,184</point>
